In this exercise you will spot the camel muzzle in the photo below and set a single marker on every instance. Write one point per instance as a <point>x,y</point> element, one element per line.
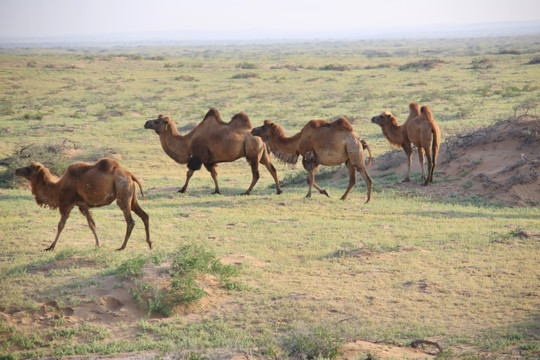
<point>24,172</point>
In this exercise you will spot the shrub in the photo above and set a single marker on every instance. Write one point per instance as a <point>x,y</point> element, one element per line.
<point>534,60</point>
<point>315,343</point>
<point>332,67</point>
<point>246,66</point>
<point>51,156</point>
<point>482,64</point>
<point>246,75</point>
<point>426,64</point>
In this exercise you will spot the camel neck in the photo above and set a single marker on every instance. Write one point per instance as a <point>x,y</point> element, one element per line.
<point>284,147</point>
<point>175,145</point>
<point>394,133</point>
<point>46,191</point>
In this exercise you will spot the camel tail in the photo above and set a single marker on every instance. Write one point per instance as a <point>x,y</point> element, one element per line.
<point>366,147</point>
<point>140,185</point>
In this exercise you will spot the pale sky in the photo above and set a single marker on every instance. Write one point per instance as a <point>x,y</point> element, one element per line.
<point>45,18</point>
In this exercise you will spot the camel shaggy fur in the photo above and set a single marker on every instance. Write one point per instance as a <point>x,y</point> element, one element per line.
<point>420,129</point>
<point>87,186</point>
<point>319,143</point>
<point>214,141</point>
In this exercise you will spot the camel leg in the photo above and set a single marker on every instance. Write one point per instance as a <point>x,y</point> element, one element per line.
<point>266,161</point>
<point>189,174</point>
<point>408,151</point>
<point>211,167</point>
<point>64,216</point>
<point>430,166</point>
<point>124,196</point>
<point>352,178</point>
<point>255,175</point>
<point>361,168</point>
<point>421,158</point>
<point>135,207</point>
<point>91,224</point>
<point>311,181</point>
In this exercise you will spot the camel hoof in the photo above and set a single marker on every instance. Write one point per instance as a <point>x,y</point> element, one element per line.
<point>324,192</point>
<point>150,245</point>
<point>182,191</point>
<point>405,180</point>
<point>120,249</point>
<point>343,198</point>
<point>216,193</point>
<point>308,195</point>
<point>244,193</point>
<point>49,248</point>
<point>279,192</point>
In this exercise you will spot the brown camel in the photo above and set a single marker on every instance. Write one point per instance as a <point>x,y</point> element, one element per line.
<point>87,186</point>
<point>211,142</point>
<point>319,143</point>
<point>420,129</point>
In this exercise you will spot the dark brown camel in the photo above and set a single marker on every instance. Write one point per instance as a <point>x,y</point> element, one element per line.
<point>420,129</point>
<point>214,141</point>
<point>319,143</point>
<point>87,186</point>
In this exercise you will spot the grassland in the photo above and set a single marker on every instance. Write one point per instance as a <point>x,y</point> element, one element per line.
<point>400,268</point>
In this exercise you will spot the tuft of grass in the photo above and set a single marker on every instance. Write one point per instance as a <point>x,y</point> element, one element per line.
<point>313,343</point>
<point>425,64</point>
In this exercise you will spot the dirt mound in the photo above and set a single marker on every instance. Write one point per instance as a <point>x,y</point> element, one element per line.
<point>499,163</point>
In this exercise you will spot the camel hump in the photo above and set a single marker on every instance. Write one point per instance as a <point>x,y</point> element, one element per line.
<point>426,111</point>
<point>241,120</point>
<point>339,124</point>
<point>106,165</point>
<point>414,108</point>
<point>213,112</point>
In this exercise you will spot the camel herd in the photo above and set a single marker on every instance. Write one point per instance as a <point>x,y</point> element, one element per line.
<point>214,141</point>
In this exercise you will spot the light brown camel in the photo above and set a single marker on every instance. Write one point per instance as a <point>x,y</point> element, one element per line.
<point>211,142</point>
<point>319,143</point>
<point>87,186</point>
<point>420,129</point>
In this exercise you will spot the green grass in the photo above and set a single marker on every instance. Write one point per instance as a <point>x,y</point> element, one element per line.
<point>316,272</point>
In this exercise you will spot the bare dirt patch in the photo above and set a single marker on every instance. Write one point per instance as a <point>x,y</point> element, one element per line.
<point>499,163</point>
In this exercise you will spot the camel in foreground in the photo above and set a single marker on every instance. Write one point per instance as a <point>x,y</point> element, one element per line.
<point>211,142</point>
<point>420,129</point>
<point>87,186</point>
<point>319,143</point>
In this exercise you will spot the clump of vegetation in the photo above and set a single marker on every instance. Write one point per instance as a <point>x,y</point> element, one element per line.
<point>314,343</point>
<point>190,264</point>
<point>425,64</point>
<point>509,52</point>
<point>247,66</point>
<point>49,155</point>
<point>246,75</point>
<point>482,64</point>
<point>333,67</point>
<point>534,60</point>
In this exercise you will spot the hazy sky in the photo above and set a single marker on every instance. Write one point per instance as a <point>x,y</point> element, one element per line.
<point>42,18</point>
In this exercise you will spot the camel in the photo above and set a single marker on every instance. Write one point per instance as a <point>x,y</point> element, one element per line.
<point>319,143</point>
<point>211,142</point>
<point>87,186</point>
<point>419,129</point>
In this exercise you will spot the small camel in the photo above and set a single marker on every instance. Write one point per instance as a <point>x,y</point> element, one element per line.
<point>211,142</point>
<point>420,129</point>
<point>320,143</point>
<point>87,186</point>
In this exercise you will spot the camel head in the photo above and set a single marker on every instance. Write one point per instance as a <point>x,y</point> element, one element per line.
<point>30,171</point>
<point>384,119</point>
<point>159,125</point>
<point>264,131</point>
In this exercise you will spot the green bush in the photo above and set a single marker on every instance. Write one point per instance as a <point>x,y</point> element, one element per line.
<point>315,343</point>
